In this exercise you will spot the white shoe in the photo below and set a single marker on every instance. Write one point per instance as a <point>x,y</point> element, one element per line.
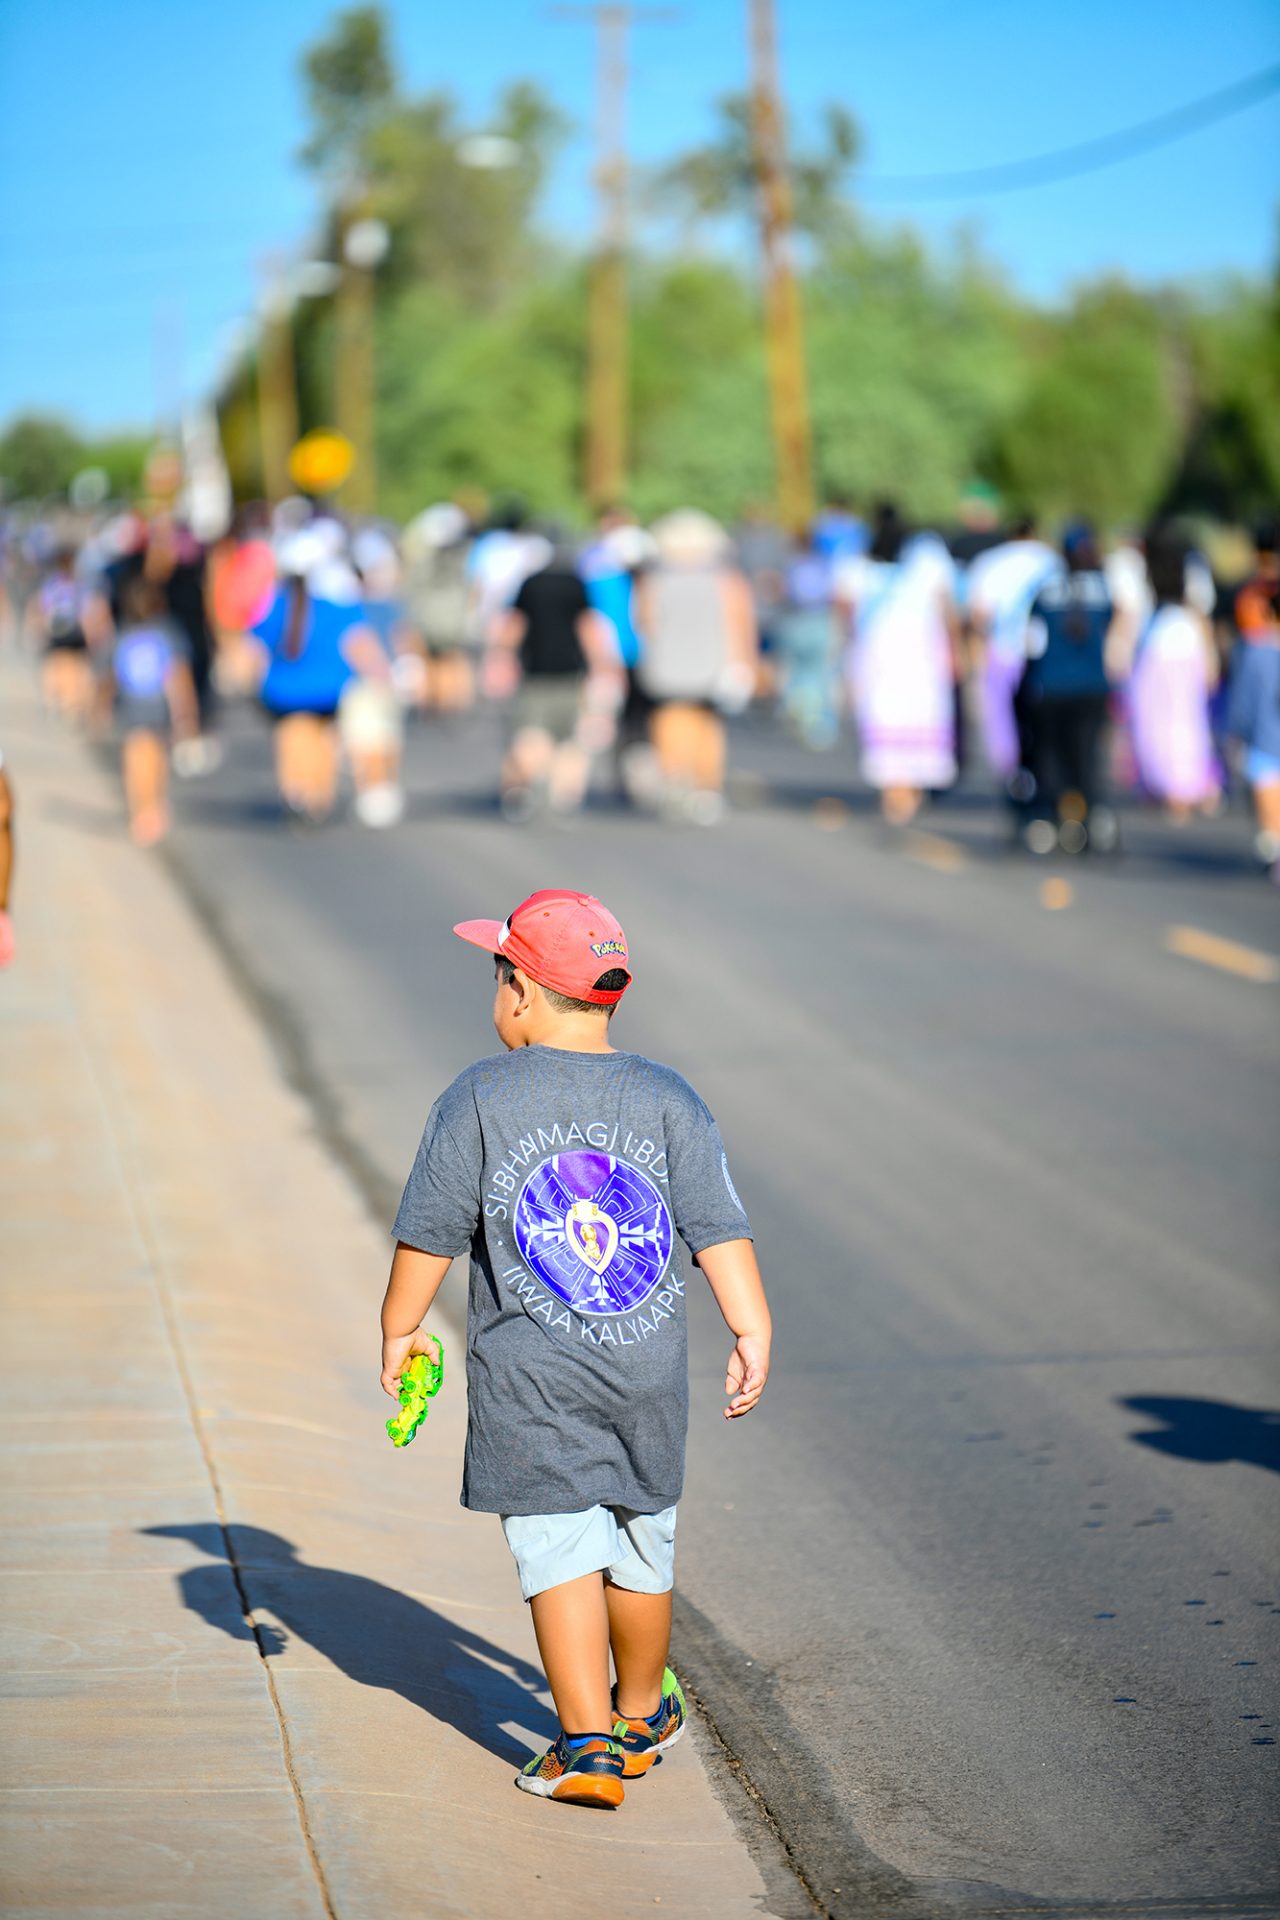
<point>380,806</point>
<point>705,808</point>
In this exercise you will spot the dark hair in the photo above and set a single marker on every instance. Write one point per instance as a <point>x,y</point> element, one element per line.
<point>611,982</point>
<point>1166,553</point>
<point>1023,527</point>
<point>888,532</point>
<point>1080,548</point>
<point>509,516</point>
<point>296,618</point>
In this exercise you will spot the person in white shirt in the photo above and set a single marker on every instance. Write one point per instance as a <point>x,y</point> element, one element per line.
<point>1001,585</point>
<point>898,600</point>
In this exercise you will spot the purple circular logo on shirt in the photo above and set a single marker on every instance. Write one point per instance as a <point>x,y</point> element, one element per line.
<point>594,1230</point>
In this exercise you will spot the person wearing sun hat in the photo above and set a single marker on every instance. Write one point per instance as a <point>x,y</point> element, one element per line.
<point>568,1169</point>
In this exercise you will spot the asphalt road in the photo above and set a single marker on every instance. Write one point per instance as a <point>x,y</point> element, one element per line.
<point>986,1597</point>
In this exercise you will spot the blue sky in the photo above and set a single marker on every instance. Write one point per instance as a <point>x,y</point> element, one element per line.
<point>146,147</point>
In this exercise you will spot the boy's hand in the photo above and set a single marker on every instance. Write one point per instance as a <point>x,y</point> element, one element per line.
<point>397,1351</point>
<point>747,1372</point>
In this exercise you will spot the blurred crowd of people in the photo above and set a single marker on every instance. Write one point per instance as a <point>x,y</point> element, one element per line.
<point>1057,669</point>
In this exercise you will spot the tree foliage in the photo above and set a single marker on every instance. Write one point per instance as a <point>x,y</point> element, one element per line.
<point>350,83</point>
<point>925,370</point>
<point>1097,427</point>
<point>718,179</point>
<point>41,455</point>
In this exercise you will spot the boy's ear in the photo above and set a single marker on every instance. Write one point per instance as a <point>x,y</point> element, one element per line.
<point>524,987</point>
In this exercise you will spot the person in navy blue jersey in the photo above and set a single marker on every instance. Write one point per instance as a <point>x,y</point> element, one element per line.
<point>1063,701</point>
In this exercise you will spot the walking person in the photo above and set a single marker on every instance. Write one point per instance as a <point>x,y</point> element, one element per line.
<point>697,623</point>
<point>807,646</point>
<point>1063,701</point>
<point>500,560</point>
<point>1253,706</point>
<point>557,638</point>
<point>155,702</point>
<point>568,1169</point>
<point>175,561</point>
<point>610,568</point>
<point>898,604</point>
<point>1171,683</point>
<point>314,647</point>
<point>1000,585</point>
<point>439,601</point>
<point>56,618</point>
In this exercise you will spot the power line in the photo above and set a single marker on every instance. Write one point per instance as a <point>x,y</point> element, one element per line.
<point>1089,156</point>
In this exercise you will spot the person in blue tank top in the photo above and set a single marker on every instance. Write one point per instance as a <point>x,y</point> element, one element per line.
<point>1063,701</point>
<point>314,647</point>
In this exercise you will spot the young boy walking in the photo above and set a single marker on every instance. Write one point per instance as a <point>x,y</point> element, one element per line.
<point>568,1168</point>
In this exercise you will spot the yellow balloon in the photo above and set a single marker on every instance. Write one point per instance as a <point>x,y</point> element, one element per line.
<point>321,461</point>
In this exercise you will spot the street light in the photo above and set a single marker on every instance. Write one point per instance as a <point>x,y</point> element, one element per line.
<point>365,244</point>
<point>488,152</point>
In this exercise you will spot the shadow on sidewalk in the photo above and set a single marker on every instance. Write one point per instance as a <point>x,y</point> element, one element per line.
<point>1209,1430</point>
<point>377,1636</point>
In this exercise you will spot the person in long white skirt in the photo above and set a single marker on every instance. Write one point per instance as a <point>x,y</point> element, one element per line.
<point>899,602</point>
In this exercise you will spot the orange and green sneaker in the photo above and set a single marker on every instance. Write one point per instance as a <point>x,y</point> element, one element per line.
<point>585,1769</point>
<point>643,1742</point>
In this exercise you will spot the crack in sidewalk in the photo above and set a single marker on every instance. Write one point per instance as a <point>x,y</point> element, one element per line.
<point>103,1082</point>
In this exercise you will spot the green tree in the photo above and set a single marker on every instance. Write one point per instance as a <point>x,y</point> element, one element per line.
<point>718,179</point>
<point>1230,464</point>
<point>39,456</point>
<point>914,363</point>
<point>350,83</point>
<point>1097,430</point>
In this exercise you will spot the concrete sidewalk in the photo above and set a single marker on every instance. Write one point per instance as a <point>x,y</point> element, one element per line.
<point>257,1663</point>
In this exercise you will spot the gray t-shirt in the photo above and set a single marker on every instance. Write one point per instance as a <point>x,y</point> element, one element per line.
<point>569,1175</point>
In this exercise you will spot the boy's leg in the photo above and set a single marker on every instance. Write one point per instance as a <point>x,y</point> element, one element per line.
<point>572,1624</point>
<point>640,1635</point>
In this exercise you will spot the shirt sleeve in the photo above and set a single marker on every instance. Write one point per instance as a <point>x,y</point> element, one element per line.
<point>440,1207</point>
<point>704,1200</point>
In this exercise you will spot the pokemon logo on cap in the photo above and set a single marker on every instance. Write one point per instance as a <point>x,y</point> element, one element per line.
<point>562,940</point>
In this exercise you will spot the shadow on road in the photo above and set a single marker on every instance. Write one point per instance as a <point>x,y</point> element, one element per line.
<point>1209,1430</point>
<point>374,1634</point>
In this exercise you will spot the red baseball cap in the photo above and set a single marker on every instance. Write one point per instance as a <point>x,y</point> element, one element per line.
<point>562,940</point>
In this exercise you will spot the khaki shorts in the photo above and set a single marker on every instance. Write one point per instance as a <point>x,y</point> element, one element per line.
<point>549,703</point>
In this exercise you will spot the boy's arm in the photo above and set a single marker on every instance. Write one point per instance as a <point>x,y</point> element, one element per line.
<point>414,1283</point>
<point>734,1279</point>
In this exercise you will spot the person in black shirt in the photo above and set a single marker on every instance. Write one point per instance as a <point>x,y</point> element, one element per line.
<point>556,634</point>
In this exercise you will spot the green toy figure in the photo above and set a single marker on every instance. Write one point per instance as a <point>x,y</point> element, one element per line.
<point>419,1383</point>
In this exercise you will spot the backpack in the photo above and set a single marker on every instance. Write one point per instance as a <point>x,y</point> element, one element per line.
<point>438,596</point>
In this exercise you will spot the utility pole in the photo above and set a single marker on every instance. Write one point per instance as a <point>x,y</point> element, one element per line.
<point>607,358</point>
<point>277,383</point>
<point>364,246</point>
<point>784,321</point>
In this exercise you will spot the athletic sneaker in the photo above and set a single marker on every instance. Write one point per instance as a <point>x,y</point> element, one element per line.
<point>586,1770</point>
<point>641,1740</point>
